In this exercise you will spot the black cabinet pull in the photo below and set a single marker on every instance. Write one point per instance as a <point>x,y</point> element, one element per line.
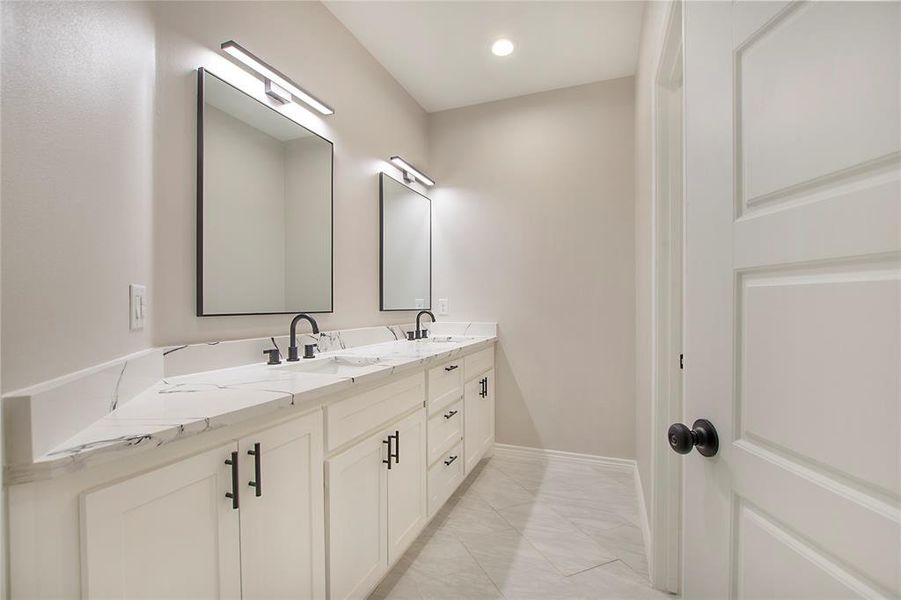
<point>450,414</point>
<point>396,447</point>
<point>483,384</point>
<point>448,462</point>
<point>233,461</point>
<point>387,461</point>
<point>451,368</point>
<point>257,468</point>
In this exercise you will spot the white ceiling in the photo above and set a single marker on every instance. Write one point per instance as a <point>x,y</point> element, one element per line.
<point>441,51</point>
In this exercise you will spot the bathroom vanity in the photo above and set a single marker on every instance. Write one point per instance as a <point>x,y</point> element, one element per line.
<point>226,478</point>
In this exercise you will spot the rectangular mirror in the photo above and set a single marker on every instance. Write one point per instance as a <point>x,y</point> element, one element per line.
<point>264,207</point>
<point>406,246</point>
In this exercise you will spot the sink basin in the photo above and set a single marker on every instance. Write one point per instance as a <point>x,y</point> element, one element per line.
<point>445,339</point>
<point>340,366</point>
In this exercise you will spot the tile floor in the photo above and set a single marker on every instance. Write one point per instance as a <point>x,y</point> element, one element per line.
<point>523,527</point>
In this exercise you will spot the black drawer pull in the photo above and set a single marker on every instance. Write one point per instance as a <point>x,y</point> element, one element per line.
<point>233,461</point>
<point>257,469</point>
<point>396,447</point>
<point>390,455</point>
<point>450,414</point>
<point>451,368</point>
<point>448,462</point>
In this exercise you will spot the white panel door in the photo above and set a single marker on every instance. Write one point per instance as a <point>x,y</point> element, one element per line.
<point>282,514</point>
<point>357,496</point>
<point>170,533</point>
<point>407,500</point>
<point>792,299</point>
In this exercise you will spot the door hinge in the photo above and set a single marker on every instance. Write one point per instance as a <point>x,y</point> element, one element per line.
<point>681,361</point>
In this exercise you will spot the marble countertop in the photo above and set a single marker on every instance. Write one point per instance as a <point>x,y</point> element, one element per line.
<point>174,408</point>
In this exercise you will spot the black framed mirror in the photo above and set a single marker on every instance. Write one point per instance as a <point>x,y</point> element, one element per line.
<point>264,207</point>
<point>405,239</point>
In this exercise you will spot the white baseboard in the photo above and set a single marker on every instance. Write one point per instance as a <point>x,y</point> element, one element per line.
<point>623,464</point>
<point>643,518</point>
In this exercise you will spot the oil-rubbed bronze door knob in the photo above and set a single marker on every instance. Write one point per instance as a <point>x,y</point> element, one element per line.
<point>702,436</point>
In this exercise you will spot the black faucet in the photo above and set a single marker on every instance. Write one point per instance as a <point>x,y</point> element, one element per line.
<point>307,348</point>
<point>420,333</point>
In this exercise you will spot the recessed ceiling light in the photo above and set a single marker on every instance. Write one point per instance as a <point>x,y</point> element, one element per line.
<point>502,47</point>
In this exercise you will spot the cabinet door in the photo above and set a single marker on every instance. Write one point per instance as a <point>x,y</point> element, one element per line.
<point>486,433</point>
<point>407,499</point>
<point>282,515</point>
<point>478,413</point>
<point>357,496</point>
<point>169,533</point>
<point>472,402</point>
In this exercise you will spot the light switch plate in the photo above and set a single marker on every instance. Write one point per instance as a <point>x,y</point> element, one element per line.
<point>137,306</point>
<point>442,306</point>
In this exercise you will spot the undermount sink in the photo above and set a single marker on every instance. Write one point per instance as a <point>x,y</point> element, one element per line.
<point>341,366</point>
<point>445,339</point>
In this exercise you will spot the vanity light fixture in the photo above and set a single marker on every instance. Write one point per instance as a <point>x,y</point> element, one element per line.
<point>411,173</point>
<point>278,86</point>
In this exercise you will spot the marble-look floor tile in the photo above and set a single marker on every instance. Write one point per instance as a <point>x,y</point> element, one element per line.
<point>518,569</point>
<point>497,489</point>
<point>441,554</point>
<point>562,544</point>
<point>523,528</point>
<point>399,584</point>
<point>471,586</point>
<point>614,580</point>
<point>625,542</point>
<point>465,520</point>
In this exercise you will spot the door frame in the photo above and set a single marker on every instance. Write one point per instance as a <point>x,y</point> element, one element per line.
<point>667,215</point>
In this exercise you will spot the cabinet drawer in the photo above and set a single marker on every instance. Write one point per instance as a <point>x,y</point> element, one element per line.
<point>445,384</point>
<point>479,362</point>
<point>350,418</point>
<point>444,478</point>
<point>445,430</point>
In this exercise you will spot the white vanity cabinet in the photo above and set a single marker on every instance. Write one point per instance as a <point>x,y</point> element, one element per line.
<point>376,493</point>
<point>173,532</point>
<point>295,501</point>
<point>478,407</point>
<point>283,519</point>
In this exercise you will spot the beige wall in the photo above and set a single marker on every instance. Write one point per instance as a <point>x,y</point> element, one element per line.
<point>98,184</point>
<point>77,183</point>
<point>652,33</point>
<point>534,225</point>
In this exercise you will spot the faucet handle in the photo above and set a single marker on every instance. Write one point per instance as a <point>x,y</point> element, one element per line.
<point>273,356</point>
<point>410,335</point>
<point>308,350</point>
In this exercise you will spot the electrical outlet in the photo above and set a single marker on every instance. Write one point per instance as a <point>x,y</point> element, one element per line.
<point>442,306</point>
<point>137,305</point>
